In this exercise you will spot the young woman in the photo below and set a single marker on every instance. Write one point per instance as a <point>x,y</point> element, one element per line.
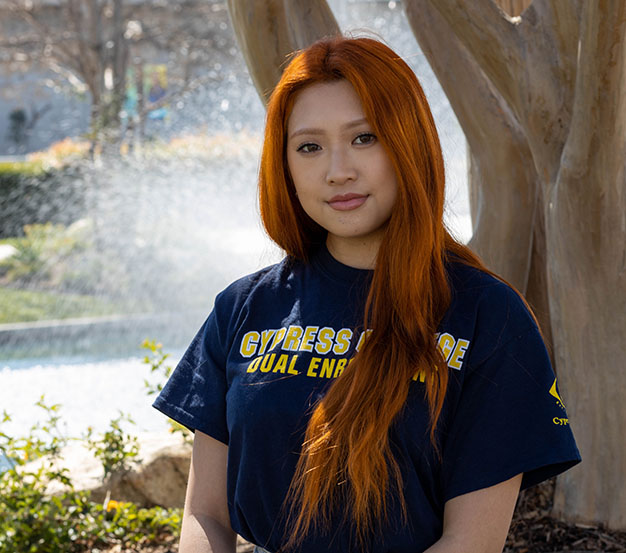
<point>378,390</point>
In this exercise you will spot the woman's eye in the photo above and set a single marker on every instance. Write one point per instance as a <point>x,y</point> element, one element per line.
<point>365,138</point>
<point>308,148</point>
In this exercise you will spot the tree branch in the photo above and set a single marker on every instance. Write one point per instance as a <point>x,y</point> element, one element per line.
<point>498,146</point>
<point>45,31</point>
<point>564,20</point>
<point>95,48</point>
<point>590,190</point>
<point>69,75</point>
<point>37,114</point>
<point>532,67</point>
<point>269,30</point>
<point>567,16</point>
<point>492,38</point>
<point>309,21</point>
<point>551,31</point>
<point>600,86</point>
<point>21,43</point>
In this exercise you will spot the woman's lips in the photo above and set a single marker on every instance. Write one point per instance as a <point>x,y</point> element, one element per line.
<point>346,202</point>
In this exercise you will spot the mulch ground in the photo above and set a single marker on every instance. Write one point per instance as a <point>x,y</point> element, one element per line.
<point>532,531</point>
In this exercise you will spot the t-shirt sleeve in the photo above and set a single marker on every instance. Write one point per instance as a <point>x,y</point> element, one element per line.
<point>509,419</point>
<point>195,394</point>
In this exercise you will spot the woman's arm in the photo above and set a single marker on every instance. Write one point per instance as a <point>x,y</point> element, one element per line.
<point>478,522</point>
<point>206,522</point>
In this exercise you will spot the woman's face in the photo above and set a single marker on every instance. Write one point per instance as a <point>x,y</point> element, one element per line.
<point>343,177</point>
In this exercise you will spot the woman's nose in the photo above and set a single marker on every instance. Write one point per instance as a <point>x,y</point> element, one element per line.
<point>341,167</point>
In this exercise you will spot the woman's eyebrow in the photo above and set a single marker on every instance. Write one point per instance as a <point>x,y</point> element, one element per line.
<point>312,130</point>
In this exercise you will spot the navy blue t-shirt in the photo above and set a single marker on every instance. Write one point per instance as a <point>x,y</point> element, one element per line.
<point>276,339</point>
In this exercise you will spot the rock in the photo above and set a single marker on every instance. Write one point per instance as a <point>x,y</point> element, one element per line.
<point>159,478</point>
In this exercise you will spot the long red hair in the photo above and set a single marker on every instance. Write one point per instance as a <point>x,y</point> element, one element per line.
<point>347,437</point>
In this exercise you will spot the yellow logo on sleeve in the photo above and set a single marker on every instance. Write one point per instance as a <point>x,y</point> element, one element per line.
<point>555,394</point>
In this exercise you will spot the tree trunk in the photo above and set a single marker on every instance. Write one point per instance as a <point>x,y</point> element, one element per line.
<point>505,191</point>
<point>87,21</point>
<point>571,117</point>
<point>586,238</point>
<point>513,7</point>
<point>540,99</point>
<point>119,67</point>
<point>141,105</point>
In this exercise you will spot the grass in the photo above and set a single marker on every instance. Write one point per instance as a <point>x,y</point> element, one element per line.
<point>25,306</point>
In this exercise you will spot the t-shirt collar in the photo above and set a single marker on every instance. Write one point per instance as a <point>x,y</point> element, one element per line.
<point>336,270</point>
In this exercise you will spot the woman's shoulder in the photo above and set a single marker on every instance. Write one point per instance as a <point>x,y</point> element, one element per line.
<point>495,308</point>
<point>469,280</point>
<point>464,278</point>
<point>267,280</point>
<point>262,277</point>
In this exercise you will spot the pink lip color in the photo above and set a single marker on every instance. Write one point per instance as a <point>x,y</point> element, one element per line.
<point>346,202</point>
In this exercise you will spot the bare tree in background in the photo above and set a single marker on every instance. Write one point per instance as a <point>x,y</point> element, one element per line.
<point>91,44</point>
<point>541,99</point>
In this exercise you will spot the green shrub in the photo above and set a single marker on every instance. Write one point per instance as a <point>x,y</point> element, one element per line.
<point>34,521</point>
<point>116,449</point>
<point>43,248</point>
<point>54,257</point>
<point>156,361</point>
<point>31,194</point>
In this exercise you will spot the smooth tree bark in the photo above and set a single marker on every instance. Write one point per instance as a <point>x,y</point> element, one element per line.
<point>270,30</point>
<point>586,232</point>
<point>498,153</point>
<point>561,70</point>
<point>540,97</point>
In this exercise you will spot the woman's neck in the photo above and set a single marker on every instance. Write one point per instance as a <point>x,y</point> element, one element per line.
<point>357,253</point>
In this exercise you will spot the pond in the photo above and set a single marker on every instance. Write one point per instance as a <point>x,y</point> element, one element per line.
<point>91,391</point>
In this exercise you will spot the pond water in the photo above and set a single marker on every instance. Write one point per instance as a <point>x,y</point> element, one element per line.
<point>91,392</point>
